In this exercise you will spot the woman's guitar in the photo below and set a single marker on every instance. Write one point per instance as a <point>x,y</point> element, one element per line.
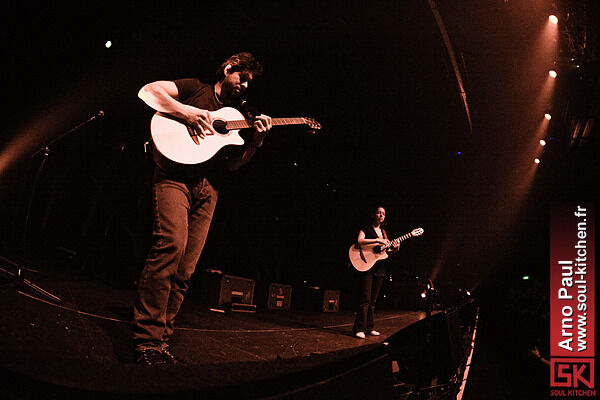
<point>179,143</point>
<point>364,257</point>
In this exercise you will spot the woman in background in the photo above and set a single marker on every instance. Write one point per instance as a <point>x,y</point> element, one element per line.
<point>371,280</point>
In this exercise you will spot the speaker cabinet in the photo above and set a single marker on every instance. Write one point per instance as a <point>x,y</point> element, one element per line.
<point>280,297</point>
<point>224,290</point>
<point>331,300</point>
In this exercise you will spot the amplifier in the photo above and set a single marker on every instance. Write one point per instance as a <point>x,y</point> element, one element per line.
<point>318,299</point>
<point>331,301</point>
<point>225,290</point>
<point>280,297</point>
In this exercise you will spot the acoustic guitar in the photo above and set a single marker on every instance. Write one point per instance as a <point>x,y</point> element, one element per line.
<point>364,257</point>
<point>179,143</point>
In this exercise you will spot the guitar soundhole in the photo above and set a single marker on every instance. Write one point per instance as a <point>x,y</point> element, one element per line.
<point>220,126</point>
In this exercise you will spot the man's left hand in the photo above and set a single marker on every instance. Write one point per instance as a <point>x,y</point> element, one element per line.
<point>262,125</point>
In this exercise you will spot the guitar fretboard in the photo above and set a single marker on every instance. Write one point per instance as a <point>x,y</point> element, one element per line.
<point>243,124</point>
<point>404,237</point>
<point>398,239</point>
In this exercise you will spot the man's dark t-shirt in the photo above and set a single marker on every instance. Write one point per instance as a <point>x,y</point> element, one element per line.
<point>197,94</point>
<point>201,95</point>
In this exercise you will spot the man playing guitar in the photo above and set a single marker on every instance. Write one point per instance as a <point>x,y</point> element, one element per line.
<point>184,198</point>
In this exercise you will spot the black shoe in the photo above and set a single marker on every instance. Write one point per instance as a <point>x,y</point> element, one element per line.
<point>151,357</point>
<point>170,358</point>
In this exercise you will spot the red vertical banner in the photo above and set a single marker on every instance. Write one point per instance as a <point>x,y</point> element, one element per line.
<point>572,298</point>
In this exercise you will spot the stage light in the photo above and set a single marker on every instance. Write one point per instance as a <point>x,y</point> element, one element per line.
<point>552,73</point>
<point>537,160</point>
<point>553,19</point>
<point>542,142</point>
<point>424,295</point>
<point>525,277</point>
<point>108,44</point>
<point>548,116</point>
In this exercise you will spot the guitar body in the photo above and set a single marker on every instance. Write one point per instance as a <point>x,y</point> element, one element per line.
<point>177,142</point>
<point>364,257</point>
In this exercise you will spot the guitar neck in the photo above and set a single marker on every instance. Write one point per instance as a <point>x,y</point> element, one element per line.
<point>398,239</point>
<point>243,124</point>
<point>404,237</point>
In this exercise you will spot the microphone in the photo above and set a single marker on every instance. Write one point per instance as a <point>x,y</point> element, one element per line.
<point>46,148</point>
<point>99,114</point>
<point>249,114</point>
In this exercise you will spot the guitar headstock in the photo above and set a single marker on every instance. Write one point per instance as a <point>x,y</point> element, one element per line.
<point>417,232</point>
<point>313,126</point>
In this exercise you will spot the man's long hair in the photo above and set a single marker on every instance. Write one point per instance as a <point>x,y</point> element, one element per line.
<point>241,62</point>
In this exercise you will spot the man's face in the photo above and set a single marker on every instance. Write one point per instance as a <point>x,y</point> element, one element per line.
<point>236,83</point>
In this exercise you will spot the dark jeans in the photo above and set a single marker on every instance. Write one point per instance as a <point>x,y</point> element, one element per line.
<point>369,287</point>
<point>182,211</point>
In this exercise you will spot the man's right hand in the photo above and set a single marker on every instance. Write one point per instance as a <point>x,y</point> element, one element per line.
<point>199,120</point>
<point>163,96</point>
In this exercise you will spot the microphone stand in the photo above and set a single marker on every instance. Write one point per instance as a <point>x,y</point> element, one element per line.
<point>46,153</point>
<point>18,276</point>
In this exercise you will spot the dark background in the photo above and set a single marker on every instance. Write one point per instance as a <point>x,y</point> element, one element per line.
<point>376,75</point>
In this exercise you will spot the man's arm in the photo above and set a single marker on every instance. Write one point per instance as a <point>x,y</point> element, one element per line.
<point>262,126</point>
<point>163,96</point>
<point>237,158</point>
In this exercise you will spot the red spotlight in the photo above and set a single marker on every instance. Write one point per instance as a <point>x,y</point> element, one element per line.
<point>552,73</point>
<point>553,19</point>
<point>548,116</point>
<point>542,142</point>
<point>537,160</point>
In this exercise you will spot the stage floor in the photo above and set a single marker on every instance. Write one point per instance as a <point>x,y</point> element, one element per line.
<point>84,340</point>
